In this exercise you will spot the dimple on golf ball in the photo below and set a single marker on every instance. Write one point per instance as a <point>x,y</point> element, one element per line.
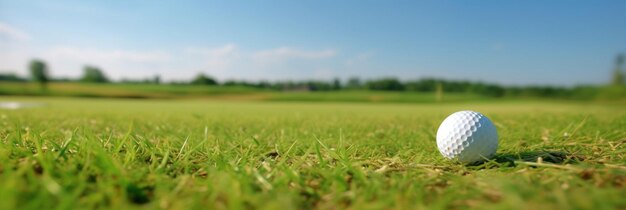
<point>467,136</point>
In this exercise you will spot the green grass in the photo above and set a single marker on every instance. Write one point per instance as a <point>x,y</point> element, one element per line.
<point>154,91</point>
<point>210,154</point>
<point>599,94</point>
<point>106,90</point>
<point>372,96</point>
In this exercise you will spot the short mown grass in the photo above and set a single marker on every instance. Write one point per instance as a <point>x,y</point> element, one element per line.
<point>170,91</point>
<point>208,154</point>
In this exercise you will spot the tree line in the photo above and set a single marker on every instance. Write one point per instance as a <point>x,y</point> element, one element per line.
<point>40,73</point>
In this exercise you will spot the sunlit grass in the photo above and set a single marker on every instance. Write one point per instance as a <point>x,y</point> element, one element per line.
<point>167,91</point>
<point>204,154</point>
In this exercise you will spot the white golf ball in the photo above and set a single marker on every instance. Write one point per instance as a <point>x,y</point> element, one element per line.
<point>467,136</point>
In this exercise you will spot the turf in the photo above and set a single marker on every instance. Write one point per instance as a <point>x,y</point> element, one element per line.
<point>168,91</point>
<point>107,90</point>
<point>207,154</point>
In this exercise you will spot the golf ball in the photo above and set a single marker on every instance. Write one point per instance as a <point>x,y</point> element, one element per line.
<point>467,136</point>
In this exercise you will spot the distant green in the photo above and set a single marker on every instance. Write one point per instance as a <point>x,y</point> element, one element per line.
<point>612,94</point>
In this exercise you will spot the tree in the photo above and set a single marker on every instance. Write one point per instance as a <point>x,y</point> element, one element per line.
<point>157,79</point>
<point>202,79</point>
<point>94,74</point>
<point>618,75</point>
<point>388,84</point>
<point>11,78</point>
<point>354,83</point>
<point>317,85</point>
<point>39,72</point>
<point>422,85</point>
<point>336,84</point>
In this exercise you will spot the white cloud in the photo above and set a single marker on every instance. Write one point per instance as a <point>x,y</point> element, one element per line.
<point>213,52</point>
<point>13,60</point>
<point>215,58</point>
<point>224,62</point>
<point>359,59</point>
<point>104,56</point>
<point>324,73</point>
<point>282,54</point>
<point>12,33</point>
<point>230,62</point>
<point>68,61</point>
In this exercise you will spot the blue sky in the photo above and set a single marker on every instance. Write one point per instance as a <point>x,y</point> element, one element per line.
<point>507,42</point>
